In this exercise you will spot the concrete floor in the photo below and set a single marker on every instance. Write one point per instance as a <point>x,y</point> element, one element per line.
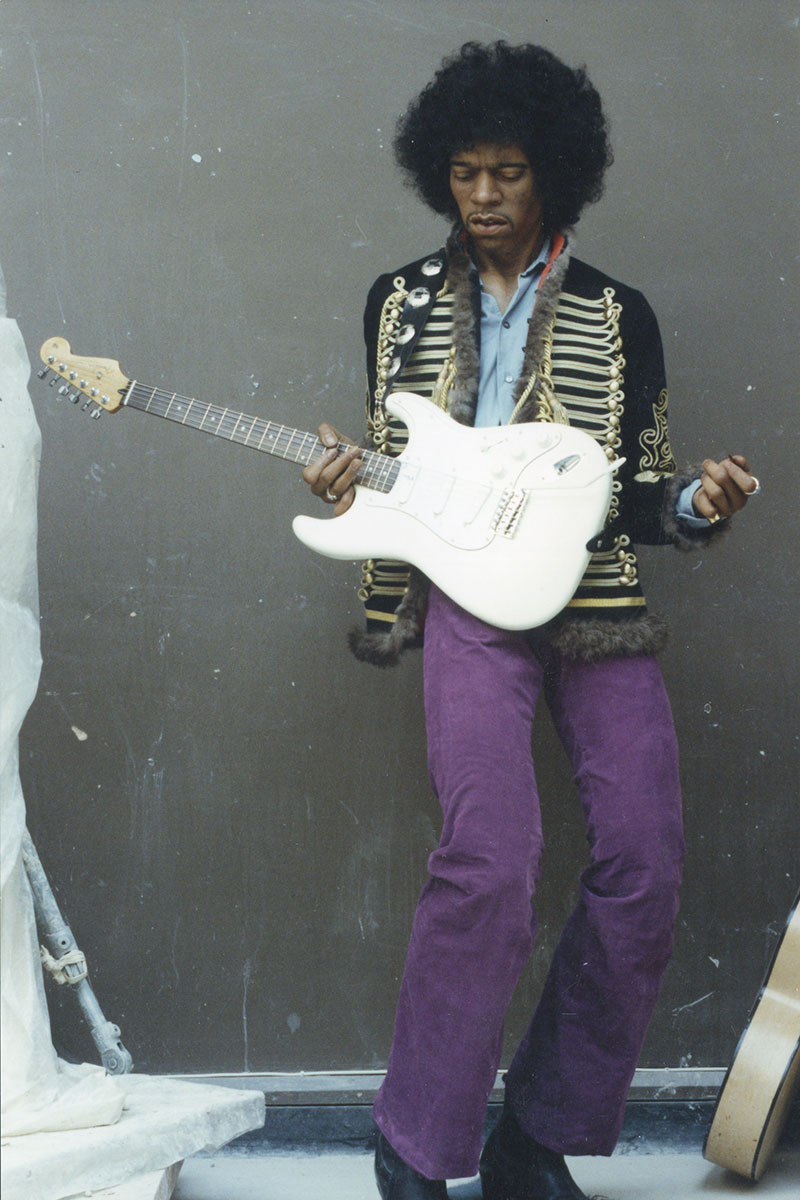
<point>348,1176</point>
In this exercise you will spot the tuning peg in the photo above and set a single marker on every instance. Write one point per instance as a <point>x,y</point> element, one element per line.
<point>63,390</point>
<point>45,371</point>
<point>73,397</point>
<point>98,412</point>
<point>84,407</point>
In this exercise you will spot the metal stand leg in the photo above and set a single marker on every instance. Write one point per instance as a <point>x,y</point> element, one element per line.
<point>67,964</point>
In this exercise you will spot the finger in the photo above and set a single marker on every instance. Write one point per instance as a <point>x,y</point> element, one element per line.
<point>741,475</point>
<point>337,478</point>
<point>703,506</point>
<point>312,472</point>
<point>740,461</point>
<point>715,483</point>
<point>344,502</point>
<point>735,483</point>
<point>328,435</point>
<point>331,439</point>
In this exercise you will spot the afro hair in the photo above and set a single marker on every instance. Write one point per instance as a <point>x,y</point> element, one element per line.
<point>508,95</point>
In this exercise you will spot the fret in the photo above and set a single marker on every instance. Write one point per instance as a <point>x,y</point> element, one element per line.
<point>221,424</point>
<point>290,452</point>
<point>308,450</point>
<point>367,473</point>
<point>268,432</point>
<point>255,425</point>
<point>213,416</point>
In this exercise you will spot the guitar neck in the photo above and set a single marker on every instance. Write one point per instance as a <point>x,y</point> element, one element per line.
<point>377,471</point>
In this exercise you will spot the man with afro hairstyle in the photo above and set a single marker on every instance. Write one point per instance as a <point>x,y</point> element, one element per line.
<point>503,325</point>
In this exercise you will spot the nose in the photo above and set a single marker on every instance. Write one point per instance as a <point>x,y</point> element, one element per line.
<point>485,189</point>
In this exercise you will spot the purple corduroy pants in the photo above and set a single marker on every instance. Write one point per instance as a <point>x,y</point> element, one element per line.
<point>474,926</point>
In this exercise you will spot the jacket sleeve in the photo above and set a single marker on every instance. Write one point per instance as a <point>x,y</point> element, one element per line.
<point>651,481</point>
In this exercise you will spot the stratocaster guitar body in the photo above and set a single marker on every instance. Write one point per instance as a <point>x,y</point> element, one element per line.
<point>499,518</point>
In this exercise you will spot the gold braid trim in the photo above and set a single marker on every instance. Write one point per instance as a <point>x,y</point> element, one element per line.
<point>657,456</point>
<point>377,422</point>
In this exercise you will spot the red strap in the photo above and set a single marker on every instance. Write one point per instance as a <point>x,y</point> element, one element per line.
<point>559,241</point>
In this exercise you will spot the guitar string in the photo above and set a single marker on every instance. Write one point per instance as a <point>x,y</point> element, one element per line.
<point>377,471</point>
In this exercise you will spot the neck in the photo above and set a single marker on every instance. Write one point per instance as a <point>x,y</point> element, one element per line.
<point>506,262</point>
<point>500,267</point>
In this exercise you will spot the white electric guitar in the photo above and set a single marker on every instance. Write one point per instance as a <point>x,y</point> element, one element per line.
<point>498,518</point>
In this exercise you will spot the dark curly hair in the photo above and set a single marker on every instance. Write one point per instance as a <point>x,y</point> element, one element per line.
<point>508,95</point>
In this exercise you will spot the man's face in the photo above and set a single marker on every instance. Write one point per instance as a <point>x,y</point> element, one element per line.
<point>497,196</point>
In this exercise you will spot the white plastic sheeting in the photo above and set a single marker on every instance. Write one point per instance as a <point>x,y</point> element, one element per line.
<point>67,1129</point>
<point>39,1091</point>
<point>164,1122</point>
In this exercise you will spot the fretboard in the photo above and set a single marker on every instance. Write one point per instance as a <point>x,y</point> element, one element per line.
<point>377,471</point>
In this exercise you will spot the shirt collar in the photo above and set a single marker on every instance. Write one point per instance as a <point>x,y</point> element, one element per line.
<point>538,264</point>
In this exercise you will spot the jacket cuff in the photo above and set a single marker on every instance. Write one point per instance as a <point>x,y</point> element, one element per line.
<point>683,535</point>
<point>383,649</point>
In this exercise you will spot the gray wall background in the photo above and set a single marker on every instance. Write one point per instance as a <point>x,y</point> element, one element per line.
<point>204,191</point>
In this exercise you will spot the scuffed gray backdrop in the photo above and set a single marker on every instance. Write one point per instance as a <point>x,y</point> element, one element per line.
<point>236,814</point>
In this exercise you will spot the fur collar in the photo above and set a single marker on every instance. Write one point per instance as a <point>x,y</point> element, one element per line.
<point>463,283</point>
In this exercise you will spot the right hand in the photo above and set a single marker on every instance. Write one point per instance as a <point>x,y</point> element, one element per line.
<point>331,475</point>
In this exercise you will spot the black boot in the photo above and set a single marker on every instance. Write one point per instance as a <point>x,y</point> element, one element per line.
<point>398,1181</point>
<point>514,1166</point>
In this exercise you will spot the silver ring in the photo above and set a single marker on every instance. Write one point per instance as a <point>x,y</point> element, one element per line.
<point>756,489</point>
<point>331,497</point>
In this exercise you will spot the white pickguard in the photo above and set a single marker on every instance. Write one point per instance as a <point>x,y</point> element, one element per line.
<point>498,518</point>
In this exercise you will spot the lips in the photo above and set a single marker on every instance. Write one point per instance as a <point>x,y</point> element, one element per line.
<point>485,223</point>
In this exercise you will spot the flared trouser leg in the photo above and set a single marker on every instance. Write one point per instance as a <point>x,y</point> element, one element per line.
<point>569,1079</point>
<point>473,928</point>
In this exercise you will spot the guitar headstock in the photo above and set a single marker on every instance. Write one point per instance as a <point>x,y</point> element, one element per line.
<point>100,380</point>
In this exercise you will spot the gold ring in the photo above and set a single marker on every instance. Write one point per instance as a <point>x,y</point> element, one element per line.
<point>713,520</point>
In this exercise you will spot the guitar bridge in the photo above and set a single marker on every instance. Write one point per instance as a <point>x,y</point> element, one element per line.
<point>508,512</point>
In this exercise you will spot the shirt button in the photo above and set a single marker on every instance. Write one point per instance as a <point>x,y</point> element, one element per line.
<point>509,378</point>
<point>506,324</point>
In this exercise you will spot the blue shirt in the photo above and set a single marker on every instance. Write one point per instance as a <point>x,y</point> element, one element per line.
<point>503,338</point>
